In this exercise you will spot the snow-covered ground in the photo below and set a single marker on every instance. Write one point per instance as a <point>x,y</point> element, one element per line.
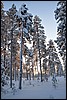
<point>37,90</point>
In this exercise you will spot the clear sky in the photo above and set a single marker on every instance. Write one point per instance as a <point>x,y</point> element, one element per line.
<point>44,9</point>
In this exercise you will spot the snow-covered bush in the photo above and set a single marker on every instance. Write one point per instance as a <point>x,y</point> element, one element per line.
<point>54,81</point>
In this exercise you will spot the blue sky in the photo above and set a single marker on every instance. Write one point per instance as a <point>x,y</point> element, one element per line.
<point>44,9</point>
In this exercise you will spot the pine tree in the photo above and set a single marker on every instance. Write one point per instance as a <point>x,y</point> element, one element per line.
<point>60,16</point>
<point>12,27</point>
<point>39,39</point>
<point>3,32</point>
<point>24,20</point>
<point>4,75</point>
<point>52,57</point>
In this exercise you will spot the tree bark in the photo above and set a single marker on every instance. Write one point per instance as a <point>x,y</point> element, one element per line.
<point>26,73</point>
<point>32,69</point>
<point>11,60</point>
<point>39,58</point>
<point>21,53</point>
<point>15,72</point>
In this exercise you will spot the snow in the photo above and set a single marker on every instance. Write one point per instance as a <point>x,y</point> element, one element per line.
<point>25,15</point>
<point>25,30</point>
<point>38,90</point>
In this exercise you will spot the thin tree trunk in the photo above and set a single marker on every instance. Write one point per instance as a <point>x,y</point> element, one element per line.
<point>33,75</point>
<point>37,70</point>
<point>11,60</point>
<point>4,59</point>
<point>41,70</point>
<point>21,53</point>
<point>32,69</point>
<point>39,54</point>
<point>5,56</point>
<point>26,73</point>
<point>30,74</point>
<point>15,72</point>
<point>50,65</point>
<point>26,70</point>
<point>40,61</point>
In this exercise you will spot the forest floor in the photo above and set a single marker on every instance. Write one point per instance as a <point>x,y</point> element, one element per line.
<point>35,89</point>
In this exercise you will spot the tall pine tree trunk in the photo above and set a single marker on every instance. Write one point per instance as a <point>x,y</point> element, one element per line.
<point>21,53</point>
<point>40,69</point>
<point>26,73</point>
<point>37,68</point>
<point>5,55</point>
<point>26,70</point>
<point>4,58</point>
<point>30,74</point>
<point>11,60</point>
<point>32,69</point>
<point>39,58</point>
<point>15,72</point>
